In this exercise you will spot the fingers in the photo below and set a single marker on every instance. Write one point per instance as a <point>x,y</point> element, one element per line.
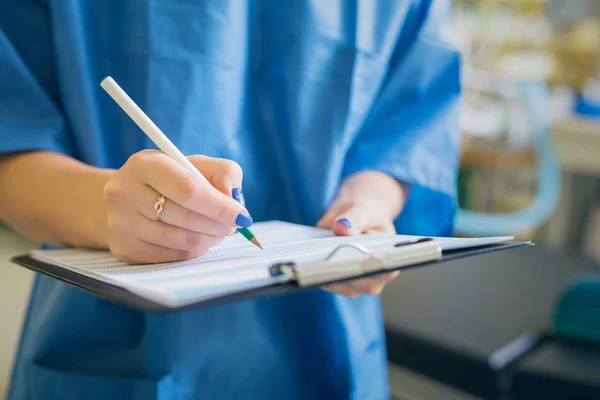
<point>354,220</point>
<point>344,289</point>
<point>329,217</point>
<point>175,182</point>
<point>349,219</point>
<point>373,285</point>
<point>162,234</point>
<point>366,286</point>
<point>176,215</point>
<point>357,217</point>
<point>134,251</point>
<point>196,216</point>
<point>224,175</point>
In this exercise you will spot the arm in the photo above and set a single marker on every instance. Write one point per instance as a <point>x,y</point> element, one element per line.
<point>411,137</point>
<point>410,141</point>
<point>412,131</point>
<point>52,198</point>
<point>46,194</point>
<point>58,200</point>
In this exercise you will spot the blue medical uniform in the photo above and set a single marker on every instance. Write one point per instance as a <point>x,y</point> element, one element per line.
<point>300,93</point>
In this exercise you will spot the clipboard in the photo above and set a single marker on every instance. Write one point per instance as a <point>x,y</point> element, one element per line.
<point>300,277</point>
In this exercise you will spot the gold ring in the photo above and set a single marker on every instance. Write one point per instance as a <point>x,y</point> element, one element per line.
<point>159,206</point>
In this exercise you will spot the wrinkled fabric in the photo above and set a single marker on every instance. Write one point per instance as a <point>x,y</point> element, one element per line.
<point>301,94</point>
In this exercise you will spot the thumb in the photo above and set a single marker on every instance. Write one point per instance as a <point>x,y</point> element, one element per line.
<point>223,174</point>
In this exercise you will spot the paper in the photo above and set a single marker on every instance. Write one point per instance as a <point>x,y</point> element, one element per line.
<point>232,266</point>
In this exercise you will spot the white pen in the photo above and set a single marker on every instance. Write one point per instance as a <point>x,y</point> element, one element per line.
<point>158,137</point>
<point>146,124</point>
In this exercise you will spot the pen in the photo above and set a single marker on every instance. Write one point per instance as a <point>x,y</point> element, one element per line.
<point>158,137</point>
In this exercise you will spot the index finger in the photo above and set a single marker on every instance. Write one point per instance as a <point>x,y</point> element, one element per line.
<point>175,182</point>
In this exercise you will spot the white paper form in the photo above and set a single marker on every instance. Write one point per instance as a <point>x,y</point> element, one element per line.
<point>232,266</point>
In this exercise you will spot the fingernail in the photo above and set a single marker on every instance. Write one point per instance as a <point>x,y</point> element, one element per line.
<point>243,220</point>
<point>238,196</point>
<point>345,222</point>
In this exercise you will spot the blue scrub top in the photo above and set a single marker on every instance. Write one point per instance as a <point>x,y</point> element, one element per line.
<point>300,93</point>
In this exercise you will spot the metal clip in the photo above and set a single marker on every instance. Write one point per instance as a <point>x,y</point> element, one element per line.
<point>330,270</point>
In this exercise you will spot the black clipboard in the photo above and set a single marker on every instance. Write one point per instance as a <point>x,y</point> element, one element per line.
<point>406,256</point>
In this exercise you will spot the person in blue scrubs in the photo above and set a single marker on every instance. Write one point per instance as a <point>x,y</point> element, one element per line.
<point>343,117</point>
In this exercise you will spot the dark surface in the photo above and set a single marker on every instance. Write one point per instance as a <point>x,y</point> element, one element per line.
<point>558,371</point>
<point>131,300</point>
<point>446,322</point>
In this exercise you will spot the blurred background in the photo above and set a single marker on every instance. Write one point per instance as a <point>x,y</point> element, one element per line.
<point>530,161</point>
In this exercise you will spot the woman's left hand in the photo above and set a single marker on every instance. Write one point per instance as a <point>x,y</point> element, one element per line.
<point>367,203</point>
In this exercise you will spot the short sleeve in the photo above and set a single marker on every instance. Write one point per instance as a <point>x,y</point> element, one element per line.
<point>29,120</point>
<point>412,130</point>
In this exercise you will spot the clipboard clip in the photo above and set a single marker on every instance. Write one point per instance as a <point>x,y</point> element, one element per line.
<point>369,262</point>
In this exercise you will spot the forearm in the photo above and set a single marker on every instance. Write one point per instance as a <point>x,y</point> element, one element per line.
<point>376,187</point>
<point>54,199</point>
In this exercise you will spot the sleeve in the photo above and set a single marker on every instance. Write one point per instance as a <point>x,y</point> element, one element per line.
<point>412,130</point>
<point>29,120</point>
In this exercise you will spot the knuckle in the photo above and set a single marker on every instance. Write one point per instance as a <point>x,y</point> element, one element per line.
<point>188,255</point>
<point>189,190</point>
<point>198,159</point>
<point>183,255</point>
<point>232,168</point>
<point>143,156</point>
<point>192,218</point>
<point>139,163</point>
<point>137,158</point>
<point>193,239</point>
<point>114,193</point>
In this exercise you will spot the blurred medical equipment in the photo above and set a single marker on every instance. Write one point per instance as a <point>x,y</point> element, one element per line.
<point>528,65</point>
<point>532,99</point>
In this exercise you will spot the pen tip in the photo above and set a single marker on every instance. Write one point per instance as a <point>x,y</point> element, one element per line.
<point>255,241</point>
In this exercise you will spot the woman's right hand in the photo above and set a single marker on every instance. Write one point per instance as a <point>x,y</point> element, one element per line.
<point>196,215</point>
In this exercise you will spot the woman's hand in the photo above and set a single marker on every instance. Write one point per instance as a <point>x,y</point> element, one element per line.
<point>368,202</point>
<point>195,216</point>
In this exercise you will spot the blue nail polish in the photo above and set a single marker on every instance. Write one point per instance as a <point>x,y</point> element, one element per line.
<point>345,222</point>
<point>243,220</point>
<point>238,196</point>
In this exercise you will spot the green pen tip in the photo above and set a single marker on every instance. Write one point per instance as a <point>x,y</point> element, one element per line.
<point>248,234</point>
